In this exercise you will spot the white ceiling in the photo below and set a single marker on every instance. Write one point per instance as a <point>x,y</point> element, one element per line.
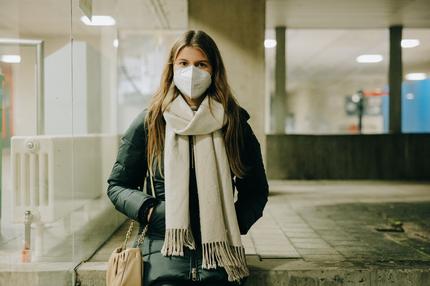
<point>54,17</point>
<point>342,14</point>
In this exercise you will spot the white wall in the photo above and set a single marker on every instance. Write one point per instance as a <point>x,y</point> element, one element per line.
<point>24,92</point>
<point>74,111</point>
<point>318,108</point>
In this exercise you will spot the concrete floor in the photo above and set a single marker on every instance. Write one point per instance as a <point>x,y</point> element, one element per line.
<point>330,233</point>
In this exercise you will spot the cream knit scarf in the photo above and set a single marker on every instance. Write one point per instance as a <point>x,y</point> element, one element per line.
<point>221,242</point>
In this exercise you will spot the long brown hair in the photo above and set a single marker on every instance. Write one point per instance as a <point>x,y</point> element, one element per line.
<point>219,90</point>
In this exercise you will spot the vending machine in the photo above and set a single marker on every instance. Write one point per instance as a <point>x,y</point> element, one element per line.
<point>415,107</point>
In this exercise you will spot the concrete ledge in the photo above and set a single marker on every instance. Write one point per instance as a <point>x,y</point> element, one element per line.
<point>37,274</point>
<point>92,273</point>
<point>296,272</point>
<point>299,272</point>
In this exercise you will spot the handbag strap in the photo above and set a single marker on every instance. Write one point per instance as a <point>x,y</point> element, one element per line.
<point>145,229</point>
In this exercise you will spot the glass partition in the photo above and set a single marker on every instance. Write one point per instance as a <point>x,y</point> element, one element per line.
<point>35,88</point>
<point>117,57</point>
<point>69,88</point>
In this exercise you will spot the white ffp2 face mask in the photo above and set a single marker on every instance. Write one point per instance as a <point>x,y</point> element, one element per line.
<point>191,81</point>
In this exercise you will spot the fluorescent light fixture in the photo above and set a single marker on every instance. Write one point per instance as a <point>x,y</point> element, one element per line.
<point>116,43</point>
<point>10,59</point>
<point>410,43</point>
<point>416,76</point>
<point>369,59</point>
<point>98,21</point>
<point>269,43</point>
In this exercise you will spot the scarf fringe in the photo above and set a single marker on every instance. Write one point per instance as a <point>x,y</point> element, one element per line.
<point>175,240</point>
<point>232,258</point>
<point>219,253</point>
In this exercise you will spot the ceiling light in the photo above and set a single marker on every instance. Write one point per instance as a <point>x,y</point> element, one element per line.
<point>416,76</point>
<point>410,43</point>
<point>269,43</point>
<point>116,43</point>
<point>410,96</point>
<point>369,59</point>
<point>11,59</point>
<point>98,21</point>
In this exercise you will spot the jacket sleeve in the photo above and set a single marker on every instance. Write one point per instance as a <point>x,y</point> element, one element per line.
<point>253,188</point>
<point>125,188</point>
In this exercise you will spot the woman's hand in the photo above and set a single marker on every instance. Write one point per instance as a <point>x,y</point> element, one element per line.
<point>155,218</point>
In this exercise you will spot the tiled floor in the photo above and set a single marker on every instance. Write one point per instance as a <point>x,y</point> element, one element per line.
<point>329,221</point>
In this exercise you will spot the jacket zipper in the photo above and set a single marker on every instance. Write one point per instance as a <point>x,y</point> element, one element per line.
<point>193,267</point>
<point>192,151</point>
<point>193,263</point>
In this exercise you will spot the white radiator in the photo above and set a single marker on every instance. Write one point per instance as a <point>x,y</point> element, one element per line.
<point>54,175</point>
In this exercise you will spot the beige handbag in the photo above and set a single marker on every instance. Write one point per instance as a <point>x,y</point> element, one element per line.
<point>125,265</point>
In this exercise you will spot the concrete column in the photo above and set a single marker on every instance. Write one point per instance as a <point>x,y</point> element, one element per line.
<point>395,78</point>
<point>238,29</point>
<point>278,103</point>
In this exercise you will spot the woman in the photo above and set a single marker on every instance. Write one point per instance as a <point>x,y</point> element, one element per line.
<point>200,146</point>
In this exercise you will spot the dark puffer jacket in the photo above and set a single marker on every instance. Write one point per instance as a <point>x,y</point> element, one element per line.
<point>126,183</point>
